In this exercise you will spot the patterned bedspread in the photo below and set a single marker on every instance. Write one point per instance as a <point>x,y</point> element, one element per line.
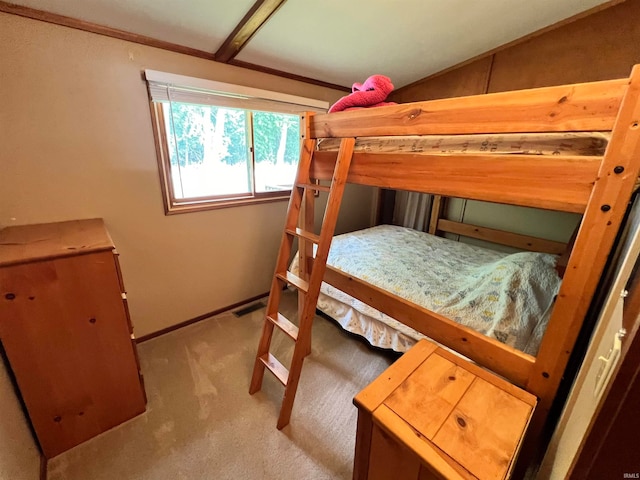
<point>505,296</point>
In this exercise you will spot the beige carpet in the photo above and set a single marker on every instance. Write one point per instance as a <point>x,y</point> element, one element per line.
<point>201,423</point>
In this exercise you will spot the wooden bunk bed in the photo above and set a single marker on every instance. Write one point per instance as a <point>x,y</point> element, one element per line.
<point>597,187</point>
<point>470,284</point>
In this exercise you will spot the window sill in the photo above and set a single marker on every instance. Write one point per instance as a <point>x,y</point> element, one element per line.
<point>175,208</point>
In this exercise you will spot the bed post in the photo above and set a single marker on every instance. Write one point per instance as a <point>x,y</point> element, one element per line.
<point>609,199</point>
<point>436,213</point>
<point>306,220</point>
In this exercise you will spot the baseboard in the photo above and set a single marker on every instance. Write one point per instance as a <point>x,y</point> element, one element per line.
<point>199,318</point>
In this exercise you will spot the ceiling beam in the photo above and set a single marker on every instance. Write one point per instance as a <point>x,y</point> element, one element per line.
<point>257,15</point>
<point>70,22</point>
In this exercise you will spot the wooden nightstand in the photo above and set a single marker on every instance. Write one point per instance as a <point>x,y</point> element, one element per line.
<point>64,325</point>
<point>434,415</point>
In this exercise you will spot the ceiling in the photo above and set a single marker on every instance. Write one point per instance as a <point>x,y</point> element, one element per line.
<point>337,42</point>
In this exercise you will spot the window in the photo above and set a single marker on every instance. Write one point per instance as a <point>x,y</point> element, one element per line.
<point>221,145</point>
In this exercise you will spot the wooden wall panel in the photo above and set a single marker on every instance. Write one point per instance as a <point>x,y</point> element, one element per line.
<point>601,46</point>
<point>598,47</point>
<point>469,79</point>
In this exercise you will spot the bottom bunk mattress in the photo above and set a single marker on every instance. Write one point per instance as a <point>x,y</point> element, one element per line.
<point>505,296</point>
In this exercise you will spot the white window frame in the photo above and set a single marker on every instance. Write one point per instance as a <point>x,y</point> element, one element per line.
<point>167,87</point>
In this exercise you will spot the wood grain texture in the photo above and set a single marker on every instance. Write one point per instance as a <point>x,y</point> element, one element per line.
<point>398,461</point>
<point>554,183</point>
<point>598,187</point>
<point>594,48</point>
<point>67,338</point>
<point>593,243</point>
<point>257,15</point>
<point>373,395</point>
<point>484,430</point>
<point>440,464</point>
<point>436,213</point>
<point>307,314</point>
<point>364,431</point>
<point>370,398</point>
<point>524,242</point>
<point>598,229</point>
<point>434,388</point>
<point>600,46</point>
<point>576,107</point>
<point>31,243</point>
<point>305,248</point>
<point>456,419</point>
<point>489,377</point>
<point>284,254</point>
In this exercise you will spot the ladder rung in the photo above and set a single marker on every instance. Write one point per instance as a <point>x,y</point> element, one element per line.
<point>285,325</point>
<point>298,232</point>
<point>275,367</point>
<point>314,186</point>
<point>294,280</point>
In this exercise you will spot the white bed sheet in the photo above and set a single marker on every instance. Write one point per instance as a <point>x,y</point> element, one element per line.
<point>504,296</point>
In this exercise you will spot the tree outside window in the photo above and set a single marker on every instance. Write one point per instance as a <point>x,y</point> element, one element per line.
<point>222,153</point>
<point>221,145</point>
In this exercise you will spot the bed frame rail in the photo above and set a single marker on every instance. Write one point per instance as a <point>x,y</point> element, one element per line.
<point>510,239</point>
<point>553,183</point>
<point>578,107</point>
<point>502,359</point>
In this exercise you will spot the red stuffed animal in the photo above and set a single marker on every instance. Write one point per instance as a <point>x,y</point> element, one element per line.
<point>371,93</point>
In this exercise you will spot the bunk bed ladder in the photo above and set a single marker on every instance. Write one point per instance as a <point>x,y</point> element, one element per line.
<point>309,287</point>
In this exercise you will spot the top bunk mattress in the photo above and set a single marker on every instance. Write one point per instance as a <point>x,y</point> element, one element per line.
<point>565,144</point>
<point>504,296</point>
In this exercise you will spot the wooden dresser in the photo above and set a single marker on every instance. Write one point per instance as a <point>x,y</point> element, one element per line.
<point>66,332</point>
<point>434,415</point>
